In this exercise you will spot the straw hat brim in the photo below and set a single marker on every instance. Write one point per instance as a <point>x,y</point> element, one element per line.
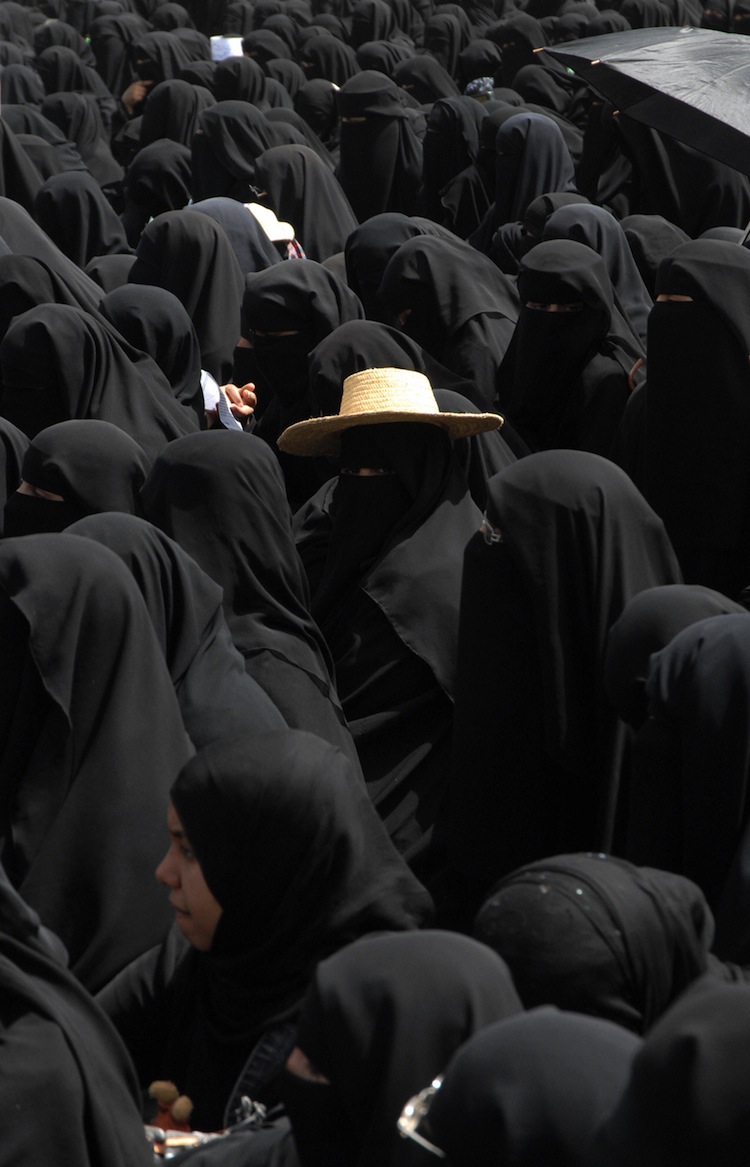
<point>321,436</point>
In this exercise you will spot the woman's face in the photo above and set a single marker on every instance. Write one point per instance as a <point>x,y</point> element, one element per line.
<point>197,912</point>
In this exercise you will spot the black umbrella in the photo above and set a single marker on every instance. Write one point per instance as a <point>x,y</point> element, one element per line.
<point>690,83</point>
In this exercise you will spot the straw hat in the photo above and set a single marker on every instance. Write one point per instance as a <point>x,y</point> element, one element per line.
<point>376,396</point>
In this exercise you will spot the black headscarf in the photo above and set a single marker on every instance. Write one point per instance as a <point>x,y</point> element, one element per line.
<point>530,1090</point>
<point>425,79</point>
<point>230,136</point>
<point>301,867</point>
<point>696,476</point>
<point>77,115</point>
<point>24,238</point>
<point>26,283</point>
<point>253,250</point>
<point>381,157</point>
<point>369,248</point>
<point>58,1045</point>
<point>301,190</point>
<point>87,694</point>
<point>649,622</point>
<point>450,146</point>
<point>375,549</point>
<point>58,363</point>
<point>463,309</point>
<point>651,239</point>
<point>13,445</point>
<point>153,320</point>
<point>578,541</point>
<point>368,1025</point>
<point>600,231</point>
<point>157,181</point>
<point>221,497</point>
<point>328,58</point>
<point>191,256</point>
<point>532,159</point>
<point>74,212</point>
<point>686,1104</point>
<point>172,111</point>
<point>94,465</point>
<point>688,803</point>
<point>564,382</point>
<point>596,935</point>
<point>217,698</point>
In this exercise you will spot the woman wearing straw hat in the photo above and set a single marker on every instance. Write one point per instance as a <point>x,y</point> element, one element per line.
<point>383,547</point>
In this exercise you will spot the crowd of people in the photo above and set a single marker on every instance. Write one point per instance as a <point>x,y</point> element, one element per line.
<point>374,588</point>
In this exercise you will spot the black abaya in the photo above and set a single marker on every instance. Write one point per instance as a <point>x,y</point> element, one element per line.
<point>221,497</point>
<point>217,698</point>
<point>301,867</point>
<point>537,749</point>
<point>87,697</point>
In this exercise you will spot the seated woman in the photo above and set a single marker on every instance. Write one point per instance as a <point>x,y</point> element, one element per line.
<point>382,1018</point>
<point>220,496</point>
<point>276,860</point>
<point>596,935</point>
<point>538,753</point>
<point>382,545</point>
<point>67,1088</point>
<point>217,697</point>
<point>533,1089</point>
<point>73,469</point>
<point>91,739</point>
<point>564,382</point>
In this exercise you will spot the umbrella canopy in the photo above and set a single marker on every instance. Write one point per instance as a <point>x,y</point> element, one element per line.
<point>690,83</point>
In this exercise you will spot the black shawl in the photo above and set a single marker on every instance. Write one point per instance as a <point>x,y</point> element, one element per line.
<point>59,1047</point>
<point>217,698</point>
<point>87,695</point>
<point>301,866</point>
<point>368,1024</point>
<point>190,255</point>
<point>577,542</point>
<point>221,497</point>
<point>58,363</point>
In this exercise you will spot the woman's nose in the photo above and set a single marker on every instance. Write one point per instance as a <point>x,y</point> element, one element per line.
<point>166,872</point>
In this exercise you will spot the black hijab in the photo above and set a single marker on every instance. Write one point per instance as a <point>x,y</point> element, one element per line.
<point>564,382</point>
<point>77,115</point>
<point>55,1039</point>
<point>230,136</point>
<point>530,1090</point>
<point>651,239</point>
<point>24,238</point>
<point>76,215</point>
<point>696,477</point>
<point>359,1025</point>
<point>685,1104</point>
<point>649,622</point>
<point>87,693</point>
<point>600,231</point>
<point>253,250</point>
<point>577,542</point>
<point>58,363</point>
<point>463,310</point>
<point>221,497</point>
<point>172,111</point>
<point>158,180</point>
<point>26,283</point>
<point>381,157</point>
<point>369,248</point>
<point>301,866</point>
<point>216,696</point>
<point>690,772</point>
<point>191,256</point>
<point>153,320</point>
<point>301,190</point>
<point>593,934</point>
<point>93,465</point>
<point>13,445</point>
<point>532,160</point>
